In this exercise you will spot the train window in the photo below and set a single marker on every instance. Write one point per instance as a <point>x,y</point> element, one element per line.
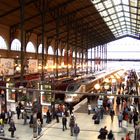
<point>71,88</point>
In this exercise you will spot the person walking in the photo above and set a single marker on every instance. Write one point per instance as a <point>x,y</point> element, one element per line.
<point>72,124</point>
<point>64,122</point>
<point>112,113</point>
<point>76,131</point>
<point>39,126</point>
<point>12,128</point>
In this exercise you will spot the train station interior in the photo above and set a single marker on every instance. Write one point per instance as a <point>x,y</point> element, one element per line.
<point>59,60</point>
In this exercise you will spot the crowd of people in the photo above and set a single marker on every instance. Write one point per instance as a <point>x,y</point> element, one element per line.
<point>124,107</point>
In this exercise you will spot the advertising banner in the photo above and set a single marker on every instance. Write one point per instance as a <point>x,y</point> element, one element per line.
<point>6,66</point>
<point>32,65</point>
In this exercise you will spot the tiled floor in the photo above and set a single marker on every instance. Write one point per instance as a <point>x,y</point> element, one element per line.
<point>89,131</point>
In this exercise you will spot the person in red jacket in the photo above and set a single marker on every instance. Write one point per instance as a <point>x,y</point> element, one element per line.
<point>127,136</point>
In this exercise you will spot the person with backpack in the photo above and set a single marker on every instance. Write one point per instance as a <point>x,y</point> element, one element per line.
<point>110,135</point>
<point>72,124</point>
<point>76,131</point>
<point>103,132</point>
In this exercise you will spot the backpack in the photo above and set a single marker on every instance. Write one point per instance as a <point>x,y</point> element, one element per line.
<point>72,122</point>
<point>76,129</point>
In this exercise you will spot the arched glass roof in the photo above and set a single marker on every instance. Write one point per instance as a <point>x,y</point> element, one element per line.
<point>121,16</point>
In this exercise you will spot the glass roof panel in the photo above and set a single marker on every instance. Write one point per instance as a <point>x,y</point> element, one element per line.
<point>107,19</point>
<point>109,23</point>
<point>104,13</point>
<point>133,16</point>
<point>126,8</point>
<point>133,10</point>
<point>121,19</point>
<point>114,16</point>
<point>111,11</point>
<point>117,2</point>
<point>126,14</point>
<point>120,15</point>
<point>133,2</point>
<point>118,8</point>
<point>108,3</point>
<point>125,2</point>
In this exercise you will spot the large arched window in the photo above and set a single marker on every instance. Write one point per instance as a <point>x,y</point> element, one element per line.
<point>40,49</point>
<point>63,51</point>
<point>73,54</point>
<point>2,43</point>
<point>77,54</point>
<point>30,47</point>
<point>16,45</point>
<point>59,53</point>
<point>50,50</point>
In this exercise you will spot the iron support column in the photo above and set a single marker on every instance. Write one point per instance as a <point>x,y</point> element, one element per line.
<point>42,38</point>
<point>75,68</point>
<point>57,42</point>
<point>91,58</point>
<point>97,58</point>
<point>94,59</point>
<point>22,38</point>
<point>102,58</point>
<point>68,46</point>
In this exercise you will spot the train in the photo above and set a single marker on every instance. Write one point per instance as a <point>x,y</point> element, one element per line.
<point>75,91</point>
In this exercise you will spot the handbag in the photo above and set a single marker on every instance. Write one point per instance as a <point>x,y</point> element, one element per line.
<point>10,129</point>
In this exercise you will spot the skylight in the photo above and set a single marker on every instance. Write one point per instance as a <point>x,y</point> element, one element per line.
<point>121,16</point>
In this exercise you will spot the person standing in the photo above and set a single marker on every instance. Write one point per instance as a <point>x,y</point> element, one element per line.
<point>71,109</point>
<point>76,131</point>
<point>89,109</point>
<point>10,114</point>
<point>18,110</point>
<point>3,116</point>
<point>110,135</point>
<point>12,128</point>
<point>127,136</point>
<point>64,122</point>
<point>48,114</point>
<point>25,116</point>
<point>135,118</point>
<point>120,119</point>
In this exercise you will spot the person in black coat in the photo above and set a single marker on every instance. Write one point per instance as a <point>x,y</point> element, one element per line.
<point>110,135</point>
<point>48,114</point>
<point>135,118</point>
<point>18,110</point>
<point>12,128</point>
<point>64,122</point>
<point>103,133</point>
